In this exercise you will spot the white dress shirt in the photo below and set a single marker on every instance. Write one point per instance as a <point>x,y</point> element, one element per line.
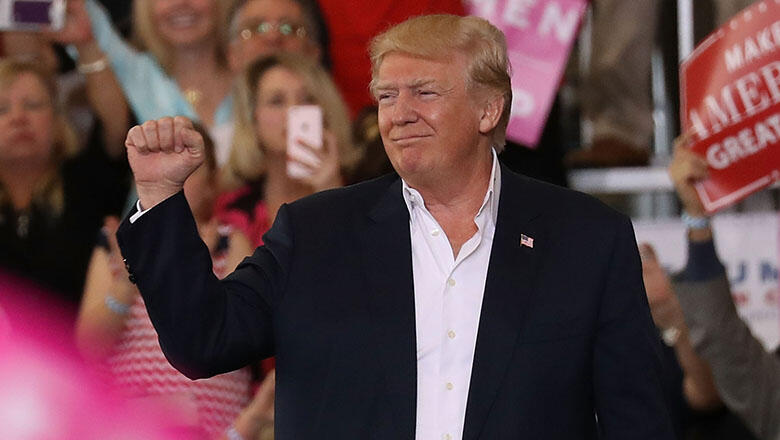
<point>448,295</point>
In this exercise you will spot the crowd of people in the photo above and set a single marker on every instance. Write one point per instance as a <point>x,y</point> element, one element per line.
<point>234,68</point>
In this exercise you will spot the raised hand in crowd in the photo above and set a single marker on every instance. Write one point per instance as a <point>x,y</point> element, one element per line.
<point>324,172</point>
<point>103,92</point>
<point>685,170</point>
<point>77,29</point>
<point>162,154</point>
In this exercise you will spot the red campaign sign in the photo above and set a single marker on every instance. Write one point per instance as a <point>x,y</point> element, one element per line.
<point>730,100</point>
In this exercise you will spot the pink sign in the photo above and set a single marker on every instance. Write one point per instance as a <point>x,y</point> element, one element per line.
<point>539,36</point>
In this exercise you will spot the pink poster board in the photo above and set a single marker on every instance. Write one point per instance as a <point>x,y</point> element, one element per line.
<point>539,34</point>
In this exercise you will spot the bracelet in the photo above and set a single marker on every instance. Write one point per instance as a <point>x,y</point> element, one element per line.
<point>96,66</point>
<point>232,434</point>
<point>692,222</point>
<point>116,306</point>
<point>670,336</point>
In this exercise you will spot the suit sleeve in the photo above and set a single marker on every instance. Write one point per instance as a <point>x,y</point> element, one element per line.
<point>629,396</point>
<point>205,326</point>
<point>746,376</point>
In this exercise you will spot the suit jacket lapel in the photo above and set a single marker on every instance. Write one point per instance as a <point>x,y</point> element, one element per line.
<point>508,289</point>
<point>387,260</point>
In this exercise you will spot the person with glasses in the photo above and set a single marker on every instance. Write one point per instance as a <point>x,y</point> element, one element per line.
<point>260,27</point>
<point>191,51</point>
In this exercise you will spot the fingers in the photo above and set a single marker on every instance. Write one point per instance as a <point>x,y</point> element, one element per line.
<point>647,252</point>
<point>149,129</point>
<point>165,135</point>
<point>165,131</point>
<point>306,154</point>
<point>136,140</point>
<point>687,166</point>
<point>185,135</point>
<point>110,226</point>
<point>686,170</point>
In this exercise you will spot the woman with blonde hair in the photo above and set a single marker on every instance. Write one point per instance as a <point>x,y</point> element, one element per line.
<point>258,163</point>
<point>177,65</point>
<point>52,197</point>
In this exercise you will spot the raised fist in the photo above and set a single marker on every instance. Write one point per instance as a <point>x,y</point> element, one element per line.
<point>162,154</point>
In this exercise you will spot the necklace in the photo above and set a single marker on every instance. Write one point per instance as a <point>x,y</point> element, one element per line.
<point>193,96</point>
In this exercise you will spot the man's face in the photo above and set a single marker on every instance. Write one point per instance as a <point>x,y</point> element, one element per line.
<point>268,26</point>
<point>428,119</point>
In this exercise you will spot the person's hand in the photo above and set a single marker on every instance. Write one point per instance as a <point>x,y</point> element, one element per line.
<point>121,288</point>
<point>686,169</point>
<point>258,416</point>
<point>162,154</point>
<point>325,173</point>
<point>664,305</point>
<point>77,29</point>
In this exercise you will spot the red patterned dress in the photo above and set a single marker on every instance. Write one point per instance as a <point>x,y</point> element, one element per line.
<point>140,369</point>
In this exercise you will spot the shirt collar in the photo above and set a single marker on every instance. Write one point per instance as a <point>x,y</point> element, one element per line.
<point>414,199</point>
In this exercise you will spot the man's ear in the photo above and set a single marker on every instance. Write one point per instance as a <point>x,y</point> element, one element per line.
<point>491,113</point>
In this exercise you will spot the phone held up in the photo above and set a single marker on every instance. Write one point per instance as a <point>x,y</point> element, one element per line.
<point>304,123</point>
<point>32,15</point>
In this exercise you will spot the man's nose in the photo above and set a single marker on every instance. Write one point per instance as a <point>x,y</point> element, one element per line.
<point>404,111</point>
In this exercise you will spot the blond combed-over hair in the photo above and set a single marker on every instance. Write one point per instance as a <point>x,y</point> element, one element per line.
<point>247,158</point>
<point>48,193</point>
<point>437,36</point>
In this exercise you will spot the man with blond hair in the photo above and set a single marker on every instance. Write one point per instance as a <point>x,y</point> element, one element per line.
<point>453,300</point>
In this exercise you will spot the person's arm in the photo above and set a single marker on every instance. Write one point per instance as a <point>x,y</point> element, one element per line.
<point>103,91</point>
<point>205,326</point>
<point>628,392</point>
<point>698,385</point>
<point>108,295</point>
<point>150,93</point>
<point>746,375</point>
<point>256,421</point>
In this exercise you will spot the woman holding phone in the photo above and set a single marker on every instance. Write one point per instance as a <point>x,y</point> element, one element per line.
<point>266,147</point>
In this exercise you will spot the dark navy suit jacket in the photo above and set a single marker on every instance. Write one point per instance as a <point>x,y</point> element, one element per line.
<point>565,349</point>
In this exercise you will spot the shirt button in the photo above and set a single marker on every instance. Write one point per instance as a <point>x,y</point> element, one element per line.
<point>451,334</point>
<point>446,437</point>
<point>435,232</point>
<point>450,386</point>
<point>451,282</point>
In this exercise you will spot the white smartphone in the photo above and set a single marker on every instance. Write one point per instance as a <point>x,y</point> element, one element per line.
<point>32,15</point>
<point>304,122</point>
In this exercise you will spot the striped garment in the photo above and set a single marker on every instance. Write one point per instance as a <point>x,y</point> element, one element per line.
<point>139,369</point>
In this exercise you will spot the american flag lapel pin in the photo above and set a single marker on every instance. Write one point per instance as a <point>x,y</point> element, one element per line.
<point>526,241</point>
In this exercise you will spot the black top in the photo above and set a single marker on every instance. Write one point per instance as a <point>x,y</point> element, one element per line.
<point>55,252</point>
